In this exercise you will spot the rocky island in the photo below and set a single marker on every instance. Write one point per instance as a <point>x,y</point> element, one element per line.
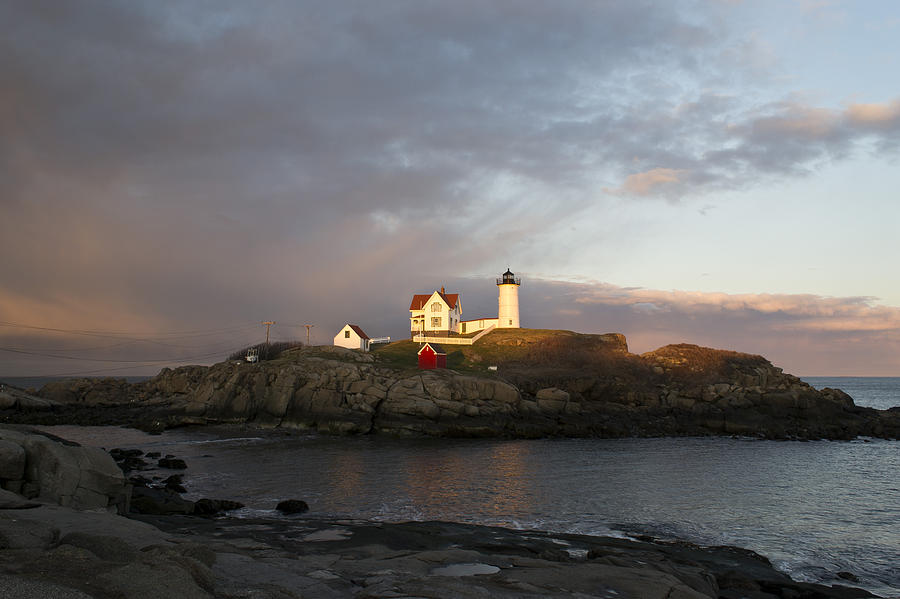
<point>546,383</point>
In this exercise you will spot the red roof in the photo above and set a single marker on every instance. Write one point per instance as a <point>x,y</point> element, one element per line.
<point>419,300</point>
<point>358,331</point>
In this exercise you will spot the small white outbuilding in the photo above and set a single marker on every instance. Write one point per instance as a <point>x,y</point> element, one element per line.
<point>352,337</point>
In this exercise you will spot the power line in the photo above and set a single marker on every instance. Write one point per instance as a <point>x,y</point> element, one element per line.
<point>114,345</point>
<point>132,367</point>
<point>134,335</point>
<point>102,370</point>
<point>85,359</point>
<point>127,338</point>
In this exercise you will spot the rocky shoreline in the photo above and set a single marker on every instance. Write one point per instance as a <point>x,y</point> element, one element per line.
<point>106,556</point>
<point>594,388</point>
<point>65,533</point>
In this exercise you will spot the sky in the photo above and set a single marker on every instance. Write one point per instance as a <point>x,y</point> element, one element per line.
<point>717,172</point>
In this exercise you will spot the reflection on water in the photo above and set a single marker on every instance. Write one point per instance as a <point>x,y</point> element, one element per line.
<point>413,479</point>
<point>496,486</point>
<point>347,477</point>
<point>510,464</point>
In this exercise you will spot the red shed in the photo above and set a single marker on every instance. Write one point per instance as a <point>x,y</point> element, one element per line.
<point>432,355</point>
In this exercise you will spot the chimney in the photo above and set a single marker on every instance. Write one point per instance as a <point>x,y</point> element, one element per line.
<point>442,290</point>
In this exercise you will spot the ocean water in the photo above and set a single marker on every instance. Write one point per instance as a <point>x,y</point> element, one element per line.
<point>881,392</point>
<point>813,508</point>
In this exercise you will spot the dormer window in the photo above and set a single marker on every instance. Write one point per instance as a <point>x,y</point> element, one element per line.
<point>437,307</point>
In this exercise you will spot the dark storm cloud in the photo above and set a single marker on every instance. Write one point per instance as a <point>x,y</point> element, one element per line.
<point>324,100</point>
<point>165,164</point>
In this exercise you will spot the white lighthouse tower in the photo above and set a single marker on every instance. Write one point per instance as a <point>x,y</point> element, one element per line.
<point>508,309</point>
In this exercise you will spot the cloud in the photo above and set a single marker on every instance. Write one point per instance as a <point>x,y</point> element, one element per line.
<point>806,334</point>
<point>884,116</point>
<point>802,310</point>
<point>645,183</point>
<point>173,166</point>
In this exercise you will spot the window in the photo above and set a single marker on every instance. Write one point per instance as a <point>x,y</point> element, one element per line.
<point>464,327</point>
<point>510,322</point>
<point>436,307</point>
<point>436,322</point>
<point>346,334</point>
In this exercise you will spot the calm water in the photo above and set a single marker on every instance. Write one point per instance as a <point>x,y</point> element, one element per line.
<point>880,392</point>
<point>813,508</point>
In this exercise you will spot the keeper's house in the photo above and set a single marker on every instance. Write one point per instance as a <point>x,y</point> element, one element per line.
<point>352,337</point>
<point>436,313</point>
<point>439,314</point>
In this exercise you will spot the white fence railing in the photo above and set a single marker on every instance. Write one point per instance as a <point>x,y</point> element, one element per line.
<point>452,340</point>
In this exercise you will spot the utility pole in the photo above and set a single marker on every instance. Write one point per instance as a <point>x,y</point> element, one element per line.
<point>268,323</point>
<point>308,327</point>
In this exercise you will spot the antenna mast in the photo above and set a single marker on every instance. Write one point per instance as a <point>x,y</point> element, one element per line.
<point>268,323</point>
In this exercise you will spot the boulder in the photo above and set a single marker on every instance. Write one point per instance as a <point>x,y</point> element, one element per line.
<point>173,483</point>
<point>87,391</point>
<point>551,400</point>
<point>66,474</point>
<point>146,500</point>
<point>13,398</point>
<point>191,558</point>
<point>107,548</point>
<point>119,454</point>
<point>292,506</point>
<point>14,501</point>
<point>172,463</point>
<point>12,460</point>
<point>151,580</point>
<point>16,533</point>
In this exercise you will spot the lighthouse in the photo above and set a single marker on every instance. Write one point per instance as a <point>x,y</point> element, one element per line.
<point>508,300</point>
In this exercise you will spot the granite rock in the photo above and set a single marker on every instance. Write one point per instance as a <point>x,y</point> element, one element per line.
<point>64,473</point>
<point>598,390</point>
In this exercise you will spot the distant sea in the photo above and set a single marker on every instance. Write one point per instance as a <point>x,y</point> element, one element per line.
<point>813,508</point>
<point>881,392</point>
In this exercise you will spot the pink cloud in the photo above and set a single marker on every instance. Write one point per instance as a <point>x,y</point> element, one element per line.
<point>650,181</point>
<point>803,333</point>
<point>805,311</point>
<point>874,114</point>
